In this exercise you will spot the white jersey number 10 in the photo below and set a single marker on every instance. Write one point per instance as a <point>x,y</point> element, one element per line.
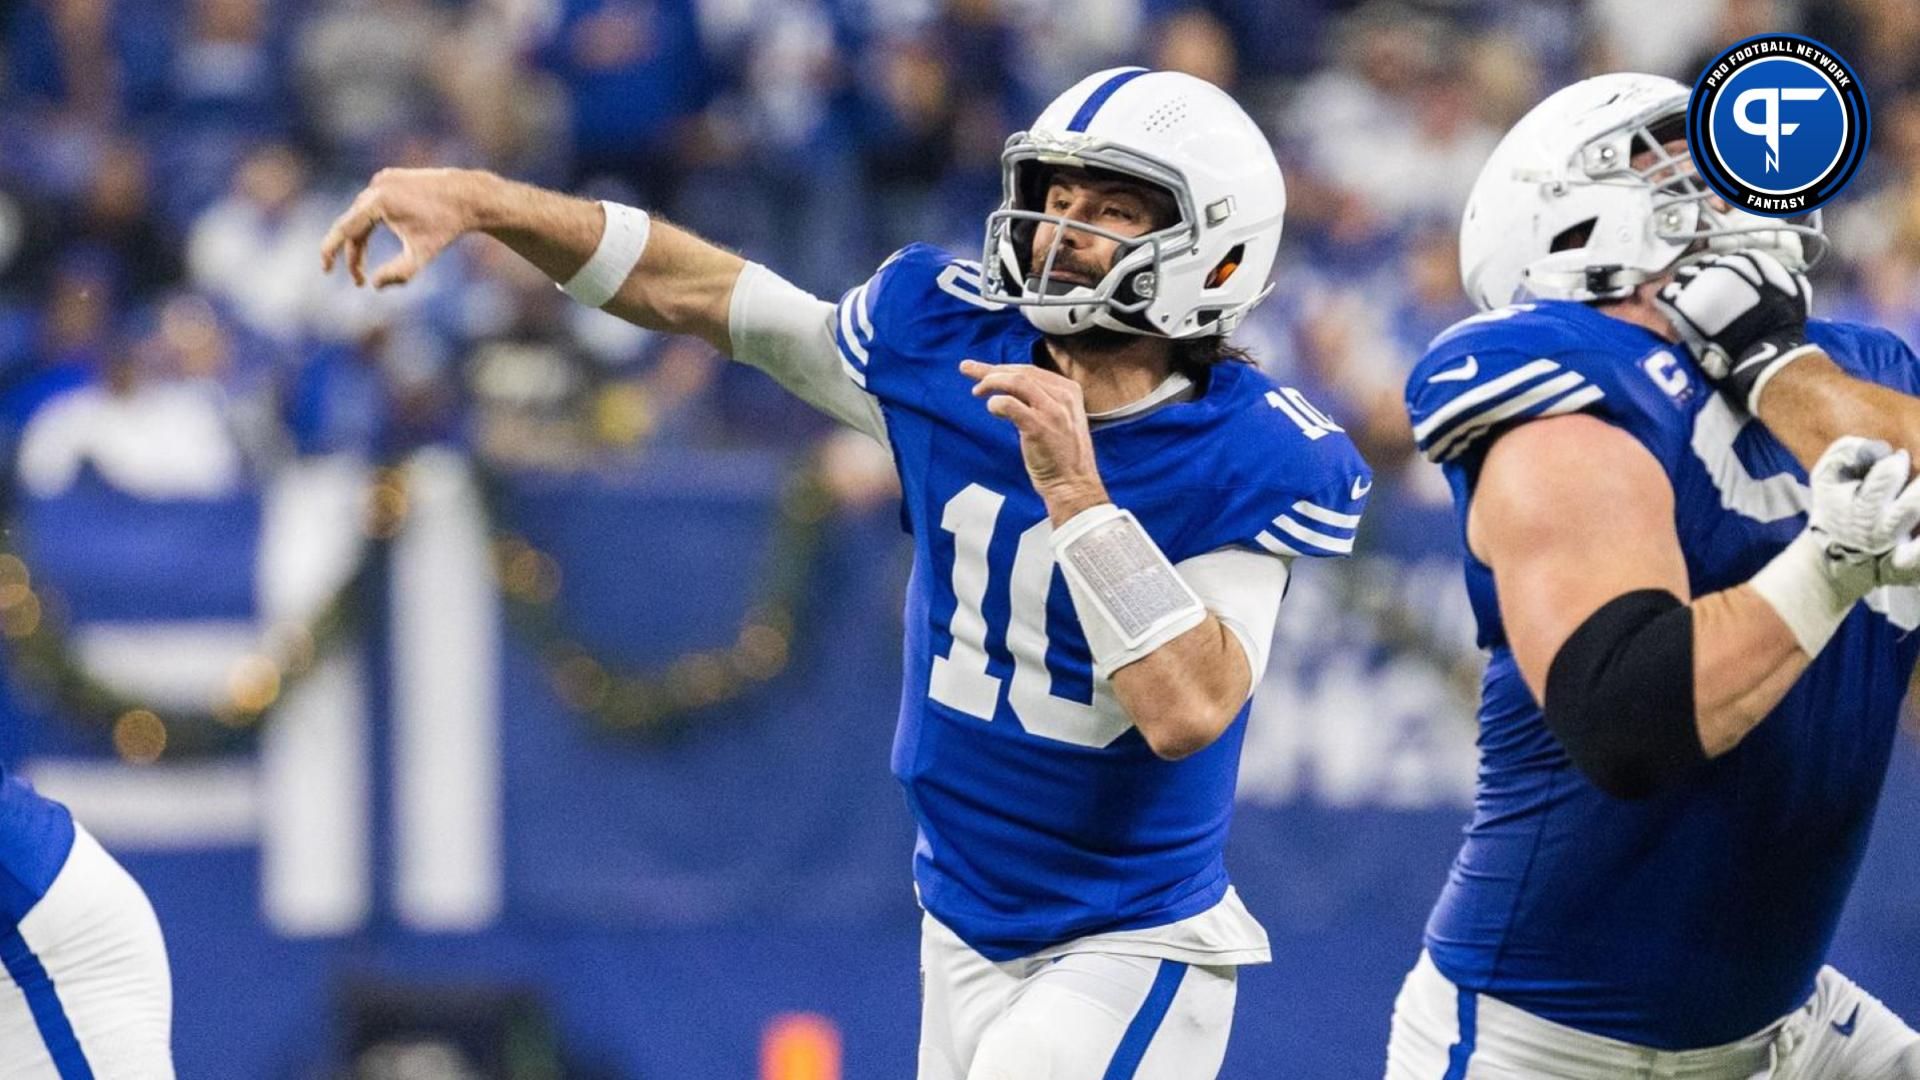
<point>960,679</point>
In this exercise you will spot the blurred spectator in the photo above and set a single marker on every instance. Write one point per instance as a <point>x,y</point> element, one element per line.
<point>1394,123</point>
<point>820,134</point>
<point>1737,20</point>
<point>364,70</point>
<point>150,420</point>
<point>113,213</point>
<point>1506,78</point>
<point>1621,42</point>
<point>1881,38</point>
<point>28,227</point>
<point>513,116</point>
<point>97,59</point>
<point>1197,43</point>
<point>774,156</point>
<point>907,134</point>
<point>1288,36</point>
<point>255,250</point>
<point>1061,41</point>
<point>634,71</point>
<point>72,338</point>
<point>227,71</point>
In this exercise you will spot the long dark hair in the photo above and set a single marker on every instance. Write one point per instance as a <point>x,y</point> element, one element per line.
<point>1193,356</point>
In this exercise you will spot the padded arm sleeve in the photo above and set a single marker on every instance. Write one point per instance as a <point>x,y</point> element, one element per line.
<point>1620,695</point>
<point>788,333</point>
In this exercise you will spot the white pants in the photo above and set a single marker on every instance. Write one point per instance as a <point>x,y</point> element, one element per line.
<point>1841,1033</point>
<point>1082,1016</point>
<point>84,989</point>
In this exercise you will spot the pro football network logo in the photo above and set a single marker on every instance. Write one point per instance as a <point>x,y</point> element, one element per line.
<point>1777,124</point>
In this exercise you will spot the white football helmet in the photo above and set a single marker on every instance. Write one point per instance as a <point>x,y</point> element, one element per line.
<point>1196,277</point>
<point>1559,211</point>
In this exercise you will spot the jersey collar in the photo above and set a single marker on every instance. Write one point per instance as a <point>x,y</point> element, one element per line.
<point>1175,387</point>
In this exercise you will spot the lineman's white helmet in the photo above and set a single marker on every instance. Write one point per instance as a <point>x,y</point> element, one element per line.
<point>1199,275</point>
<point>1560,212</point>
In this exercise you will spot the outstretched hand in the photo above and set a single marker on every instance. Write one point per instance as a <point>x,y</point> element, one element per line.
<point>1055,441</point>
<point>426,209</point>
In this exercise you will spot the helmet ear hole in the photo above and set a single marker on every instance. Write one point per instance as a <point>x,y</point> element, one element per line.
<point>1573,236</point>
<point>1021,233</point>
<point>1224,269</point>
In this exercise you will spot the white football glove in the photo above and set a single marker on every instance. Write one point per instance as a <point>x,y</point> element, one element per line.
<point>1744,317</point>
<point>1864,512</point>
<point>1859,536</point>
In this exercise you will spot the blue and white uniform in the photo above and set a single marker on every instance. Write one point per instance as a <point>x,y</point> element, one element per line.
<point>1044,816</point>
<point>1696,921</point>
<point>84,986</point>
<point>1060,862</point>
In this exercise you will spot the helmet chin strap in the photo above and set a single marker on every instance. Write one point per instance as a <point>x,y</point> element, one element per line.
<point>1062,320</point>
<point>1065,320</point>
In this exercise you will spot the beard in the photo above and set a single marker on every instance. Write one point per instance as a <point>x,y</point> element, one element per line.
<point>1095,339</point>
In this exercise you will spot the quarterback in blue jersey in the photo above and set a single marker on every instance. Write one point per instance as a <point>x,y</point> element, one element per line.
<point>1699,626</point>
<point>1105,508</point>
<point>84,984</point>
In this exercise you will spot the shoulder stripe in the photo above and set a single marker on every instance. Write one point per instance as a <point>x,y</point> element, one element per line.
<point>1486,391</point>
<point>850,345</point>
<point>1574,402</point>
<point>1341,545</point>
<point>1473,426</point>
<point>1276,545</point>
<point>1325,516</point>
<point>863,309</point>
<point>1576,396</point>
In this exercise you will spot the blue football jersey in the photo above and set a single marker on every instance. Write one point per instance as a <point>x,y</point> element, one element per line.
<point>1701,915</point>
<point>1043,815</point>
<point>35,835</point>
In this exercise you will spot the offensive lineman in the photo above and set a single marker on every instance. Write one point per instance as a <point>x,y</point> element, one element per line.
<point>1659,854</point>
<point>1104,510</point>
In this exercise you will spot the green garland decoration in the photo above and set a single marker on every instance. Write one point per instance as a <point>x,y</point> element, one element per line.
<point>666,700</point>
<point>653,703</point>
<point>34,627</point>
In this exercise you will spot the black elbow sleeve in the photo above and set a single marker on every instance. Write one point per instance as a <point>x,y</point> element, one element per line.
<point>1620,695</point>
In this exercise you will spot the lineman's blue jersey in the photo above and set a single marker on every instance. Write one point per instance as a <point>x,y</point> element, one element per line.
<point>1043,815</point>
<point>1702,915</point>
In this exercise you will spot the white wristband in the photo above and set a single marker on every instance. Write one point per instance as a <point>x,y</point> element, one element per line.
<point>1129,598</point>
<point>1796,583</point>
<point>621,242</point>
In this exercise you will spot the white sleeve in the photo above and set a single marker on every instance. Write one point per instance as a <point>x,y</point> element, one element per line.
<point>787,332</point>
<point>1242,588</point>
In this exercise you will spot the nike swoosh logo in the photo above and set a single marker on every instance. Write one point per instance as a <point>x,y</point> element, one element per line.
<point>1457,374</point>
<point>1362,485</point>
<point>1846,1029</point>
<point>1765,353</point>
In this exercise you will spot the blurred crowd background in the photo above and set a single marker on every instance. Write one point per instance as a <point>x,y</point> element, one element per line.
<point>167,169</point>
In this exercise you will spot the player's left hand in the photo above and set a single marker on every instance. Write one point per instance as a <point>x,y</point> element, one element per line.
<point>1744,317</point>
<point>1865,507</point>
<point>1051,414</point>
